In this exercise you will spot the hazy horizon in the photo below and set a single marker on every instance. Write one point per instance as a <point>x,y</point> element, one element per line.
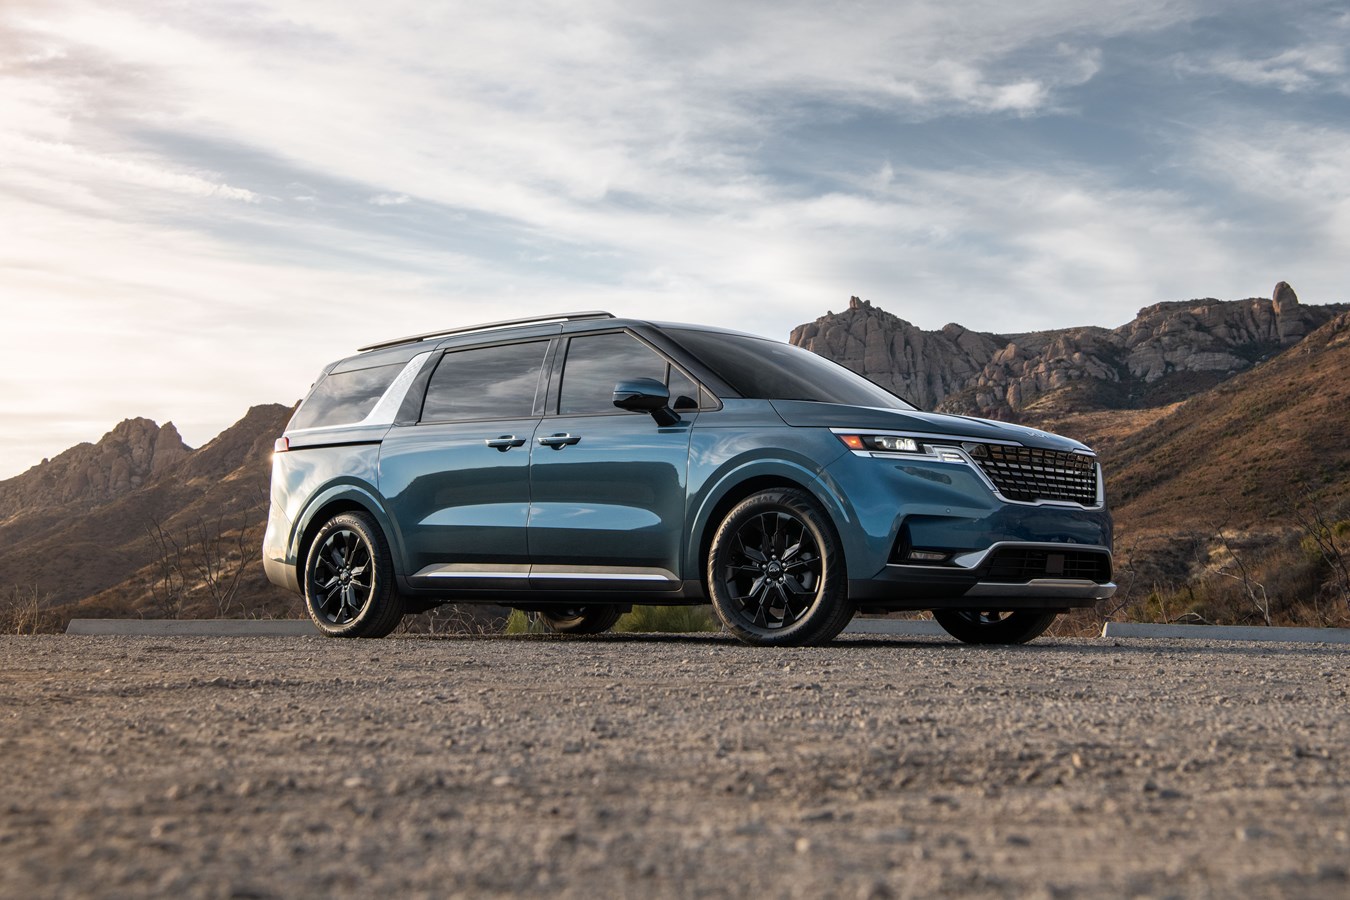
<point>202,206</point>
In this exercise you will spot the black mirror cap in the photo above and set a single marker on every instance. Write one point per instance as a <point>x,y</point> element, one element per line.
<point>641,395</point>
<point>646,395</point>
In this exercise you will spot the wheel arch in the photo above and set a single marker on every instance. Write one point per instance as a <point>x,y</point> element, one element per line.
<point>733,490</point>
<point>333,502</point>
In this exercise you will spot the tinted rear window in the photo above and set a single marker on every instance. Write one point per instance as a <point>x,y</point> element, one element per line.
<point>485,383</point>
<point>770,370</point>
<point>344,398</point>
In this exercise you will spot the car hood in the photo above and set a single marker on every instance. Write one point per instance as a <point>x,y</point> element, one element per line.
<point>804,413</point>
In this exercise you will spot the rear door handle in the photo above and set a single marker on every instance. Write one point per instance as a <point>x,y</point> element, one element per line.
<point>558,441</point>
<point>505,442</point>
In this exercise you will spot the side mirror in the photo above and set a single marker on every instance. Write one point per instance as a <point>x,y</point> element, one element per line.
<point>646,395</point>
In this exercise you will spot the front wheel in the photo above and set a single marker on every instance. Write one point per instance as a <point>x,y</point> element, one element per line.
<point>580,619</point>
<point>349,579</point>
<point>995,627</point>
<point>776,571</point>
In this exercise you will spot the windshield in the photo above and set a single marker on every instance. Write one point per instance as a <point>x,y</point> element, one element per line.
<point>770,370</point>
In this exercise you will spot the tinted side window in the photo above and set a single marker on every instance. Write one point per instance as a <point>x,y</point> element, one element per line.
<point>683,391</point>
<point>485,383</point>
<point>595,362</point>
<point>770,370</point>
<point>344,398</point>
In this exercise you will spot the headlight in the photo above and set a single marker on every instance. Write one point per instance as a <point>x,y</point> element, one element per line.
<point>886,443</point>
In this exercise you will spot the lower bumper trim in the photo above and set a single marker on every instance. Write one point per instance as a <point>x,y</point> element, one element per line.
<point>1047,588</point>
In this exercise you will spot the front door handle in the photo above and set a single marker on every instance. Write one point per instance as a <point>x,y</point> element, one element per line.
<point>505,442</point>
<point>559,441</point>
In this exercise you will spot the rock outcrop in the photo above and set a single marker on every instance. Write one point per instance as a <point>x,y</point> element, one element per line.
<point>85,521</point>
<point>123,460</point>
<point>923,366</point>
<point>1176,345</point>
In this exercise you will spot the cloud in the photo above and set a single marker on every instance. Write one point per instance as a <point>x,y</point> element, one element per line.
<point>41,163</point>
<point>1307,68</point>
<point>1306,52</point>
<point>219,199</point>
<point>1298,176</point>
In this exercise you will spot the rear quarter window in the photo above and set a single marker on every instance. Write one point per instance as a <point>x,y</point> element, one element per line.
<point>344,398</point>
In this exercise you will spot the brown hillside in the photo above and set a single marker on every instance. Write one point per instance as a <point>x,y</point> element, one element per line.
<point>75,550</point>
<point>1235,454</point>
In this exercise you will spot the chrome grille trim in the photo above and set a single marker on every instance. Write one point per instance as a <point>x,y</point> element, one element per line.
<point>1029,474</point>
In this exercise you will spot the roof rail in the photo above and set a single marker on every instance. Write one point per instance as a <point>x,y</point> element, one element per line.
<point>488,326</point>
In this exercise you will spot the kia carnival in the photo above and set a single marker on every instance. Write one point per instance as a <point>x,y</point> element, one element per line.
<point>575,465</point>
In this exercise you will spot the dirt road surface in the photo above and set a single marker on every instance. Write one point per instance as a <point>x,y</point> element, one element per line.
<point>636,766</point>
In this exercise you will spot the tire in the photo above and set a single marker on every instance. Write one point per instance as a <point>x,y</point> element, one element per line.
<point>581,619</point>
<point>995,627</point>
<point>349,579</point>
<point>776,572</point>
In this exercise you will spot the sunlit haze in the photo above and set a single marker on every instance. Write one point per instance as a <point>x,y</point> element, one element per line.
<point>203,203</point>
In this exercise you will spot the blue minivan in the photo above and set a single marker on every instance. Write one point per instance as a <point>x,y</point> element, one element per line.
<point>575,465</point>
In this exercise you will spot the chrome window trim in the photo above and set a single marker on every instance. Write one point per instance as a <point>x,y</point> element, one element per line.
<point>386,408</point>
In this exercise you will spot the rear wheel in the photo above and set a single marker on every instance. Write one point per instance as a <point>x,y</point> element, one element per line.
<point>349,579</point>
<point>776,571</point>
<point>995,626</point>
<point>580,619</point>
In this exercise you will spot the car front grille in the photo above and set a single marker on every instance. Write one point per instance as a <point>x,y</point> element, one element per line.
<point>1029,474</point>
<point>1017,565</point>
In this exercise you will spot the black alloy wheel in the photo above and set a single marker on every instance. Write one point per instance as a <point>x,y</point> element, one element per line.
<point>995,626</point>
<point>580,619</point>
<point>349,579</point>
<point>776,571</point>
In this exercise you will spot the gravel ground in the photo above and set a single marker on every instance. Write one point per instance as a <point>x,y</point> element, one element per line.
<point>663,766</point>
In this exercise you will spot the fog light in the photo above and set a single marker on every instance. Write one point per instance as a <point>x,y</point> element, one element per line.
<point>927,555</point>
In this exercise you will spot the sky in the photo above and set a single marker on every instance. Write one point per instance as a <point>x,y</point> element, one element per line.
<point>202,203</point>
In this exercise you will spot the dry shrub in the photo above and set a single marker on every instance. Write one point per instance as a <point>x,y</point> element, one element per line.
<point>1299,590</point>
<point>23,610</point>
<point>668,620</point>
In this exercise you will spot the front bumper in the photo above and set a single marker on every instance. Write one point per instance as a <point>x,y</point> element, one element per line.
<point>978,581</point>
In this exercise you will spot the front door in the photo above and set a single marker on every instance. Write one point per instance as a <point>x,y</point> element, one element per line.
<point>607,486</point>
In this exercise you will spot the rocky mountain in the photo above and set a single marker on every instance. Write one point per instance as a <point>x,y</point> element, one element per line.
<point>122,461</point>
<point>1170,350</point>
<point>96,524</point>
<point>1221,427</point>
<point>1207,414</point>
<point>1236,454</point>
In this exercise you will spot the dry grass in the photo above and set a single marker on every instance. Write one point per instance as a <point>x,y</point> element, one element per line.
<point>23,610</point>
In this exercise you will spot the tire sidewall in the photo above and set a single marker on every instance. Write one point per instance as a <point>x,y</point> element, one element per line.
<point>592,619</point>
<point>1018,627</point>
<point>379,609</point>
<point>828,613</point>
